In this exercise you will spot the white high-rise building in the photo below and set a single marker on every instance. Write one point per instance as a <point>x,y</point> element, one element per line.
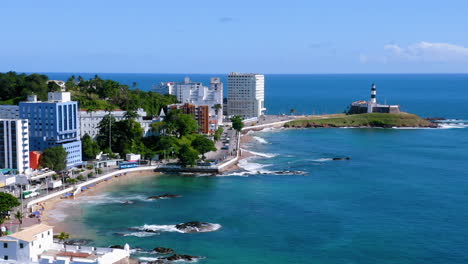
<point>246,94</point>
<point>14,144</point>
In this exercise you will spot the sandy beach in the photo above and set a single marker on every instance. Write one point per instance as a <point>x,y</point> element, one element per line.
<point>56,209</point>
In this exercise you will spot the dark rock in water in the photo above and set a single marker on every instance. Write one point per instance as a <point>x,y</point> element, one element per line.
<point>150,231</point>
<point>195,226</point>
<point>117,246</point>
<point>341,158</point>
<point>163,196</point>
<point>78,242</point>
<point>177,257</point>
<point>163,250</point>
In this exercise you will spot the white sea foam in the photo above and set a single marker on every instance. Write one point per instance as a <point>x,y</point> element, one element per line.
<point>322,159</point>
<point>264,155</point>
<point>452,125</point>
<point>148,259</point>
<point>155,229</point>
<point>141,234</point>
<point>260,140</point>
<point>107,199</point>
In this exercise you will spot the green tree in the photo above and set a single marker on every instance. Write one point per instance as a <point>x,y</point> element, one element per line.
<point>187,155</point>
<point>7,202</point>
<point>62,237</point>
<point>180,124</point>
<point>106,128</point>
<point>292,111</point>
<point>54,158</point>
<point>203,145</point>
<point>89,147</point>
<point>217,107</point>
<point>19,216</point>
<point>129,134</point>
<point>133,115</point>
<point>218,133</point>
<point>53,87</point>
<point>237,123</point>
<point>72,180</point>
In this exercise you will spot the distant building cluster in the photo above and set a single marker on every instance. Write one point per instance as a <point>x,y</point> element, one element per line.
<point>246,96</point>
<point>371,106</point>
<point>29,128</point>
<point>205,103</point>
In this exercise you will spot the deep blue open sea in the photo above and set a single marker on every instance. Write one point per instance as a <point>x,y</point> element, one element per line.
<point>402,198</point>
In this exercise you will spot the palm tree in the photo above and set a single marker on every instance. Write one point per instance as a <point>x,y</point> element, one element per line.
<point>292,111</point>
<point>63,236</point>
<point>216,107</point>
<point>131,115</point>
<point>19,215</point>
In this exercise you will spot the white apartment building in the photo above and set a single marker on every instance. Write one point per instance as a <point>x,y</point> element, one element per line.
<point>35,245</point>
<point>14,144</point>
<point>198,94</point>
<point>246,94</point>
<point>9,112</point>
<point>90,120</point>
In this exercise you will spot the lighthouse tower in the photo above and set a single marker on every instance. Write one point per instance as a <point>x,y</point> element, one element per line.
<point>373,99</point>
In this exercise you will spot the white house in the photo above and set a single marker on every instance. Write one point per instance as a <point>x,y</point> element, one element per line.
<point>26,246</point>
<point>35,245</point>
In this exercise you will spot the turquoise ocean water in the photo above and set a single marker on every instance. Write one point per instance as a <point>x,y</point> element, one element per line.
<point>402,198</point>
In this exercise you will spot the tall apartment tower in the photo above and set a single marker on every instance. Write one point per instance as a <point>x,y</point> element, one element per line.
<point>246,94</point>
<point>14,144</point>
<point>54,122</point>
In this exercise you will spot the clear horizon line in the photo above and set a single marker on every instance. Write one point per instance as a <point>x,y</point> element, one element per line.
<point>199,73</point>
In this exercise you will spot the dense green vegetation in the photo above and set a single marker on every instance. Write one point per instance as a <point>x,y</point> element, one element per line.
<point>177,138</point>
<point>54,158</point>
<point>359,120</point>
<point>92,94</point>
<point>16,87</point>
<point>97,93</point>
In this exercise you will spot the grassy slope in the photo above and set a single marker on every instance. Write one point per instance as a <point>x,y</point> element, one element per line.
<point>373,120</point>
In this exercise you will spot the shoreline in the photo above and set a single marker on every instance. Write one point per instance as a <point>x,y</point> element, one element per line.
<point>55,212</point>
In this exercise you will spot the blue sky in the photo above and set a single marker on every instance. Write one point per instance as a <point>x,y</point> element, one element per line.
<point>187,36</point>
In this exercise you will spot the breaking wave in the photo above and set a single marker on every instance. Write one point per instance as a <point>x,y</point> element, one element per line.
<point>260,140</point>
<point>107,199</point>
<point>156,229</point>
<point>322,159</point>
<point>141,234</point>
<point>260,154</point>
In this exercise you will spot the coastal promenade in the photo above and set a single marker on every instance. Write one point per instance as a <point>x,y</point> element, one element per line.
<point>78,188</point>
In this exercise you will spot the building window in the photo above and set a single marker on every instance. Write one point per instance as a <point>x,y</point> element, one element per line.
<point>21,245</point>
<point>5,245</point>
<point>5,257</point>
